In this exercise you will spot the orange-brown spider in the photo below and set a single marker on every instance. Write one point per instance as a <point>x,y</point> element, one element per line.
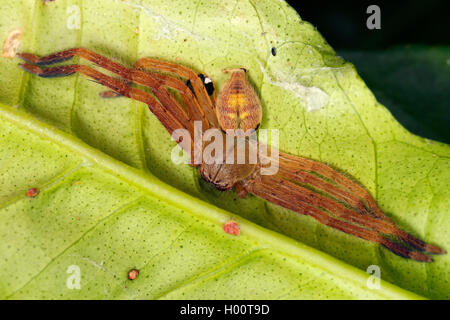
<point>302,185</point>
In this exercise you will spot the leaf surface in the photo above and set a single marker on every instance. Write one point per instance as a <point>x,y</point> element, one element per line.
<point>103,218</point>
<point>317,101</point>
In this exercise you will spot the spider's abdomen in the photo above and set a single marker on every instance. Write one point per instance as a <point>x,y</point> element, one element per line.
<point>238,105</point>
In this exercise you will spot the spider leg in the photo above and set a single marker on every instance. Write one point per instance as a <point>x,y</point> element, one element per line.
<point>188,97</point>
<point>288,195</point>
<point>340,194</point>
<point>357,216</point>
<point>298,170</point>
<point>129,75</point>
<point>110,94</point>
<point>169,120</point>
<point>153,81</point>
<point>190,101</point>
<point>349,194</point>
<point>362,196</point>
<point>81,52</point>
<point>196,83</point>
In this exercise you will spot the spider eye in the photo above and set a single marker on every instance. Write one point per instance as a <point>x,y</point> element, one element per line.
<point>207,82</point>
<point>242,68</point>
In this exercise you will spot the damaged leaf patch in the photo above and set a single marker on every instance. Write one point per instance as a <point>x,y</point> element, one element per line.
<point>12,43</point>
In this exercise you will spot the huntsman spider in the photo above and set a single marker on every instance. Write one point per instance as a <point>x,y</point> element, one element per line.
<point>302,185</point>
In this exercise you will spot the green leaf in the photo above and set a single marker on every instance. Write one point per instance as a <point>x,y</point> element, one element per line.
<point>105,218</point>
<point>318,102</point>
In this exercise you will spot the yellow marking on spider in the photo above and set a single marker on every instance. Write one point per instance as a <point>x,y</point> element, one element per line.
<point>231,115</point>
<point>237,99</point>
<point>244,115</point>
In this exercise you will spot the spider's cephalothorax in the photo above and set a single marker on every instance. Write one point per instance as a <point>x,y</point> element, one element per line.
<point>302,185</point>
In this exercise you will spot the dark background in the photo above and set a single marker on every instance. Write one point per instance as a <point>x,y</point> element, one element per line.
<point>406,63</point>
<point>343,22</point>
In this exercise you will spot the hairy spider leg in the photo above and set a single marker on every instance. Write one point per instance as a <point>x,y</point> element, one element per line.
<point>297,175</point>
<point>383,225</point>
<point>132,75</point>
<point>164,115</point>
<point>324,170</point>
<point>290,196</point>
<point>349,192</point>
<point>188,97</point>
<point>196,82</point>
<point>154,81</point>
<point>297,171</point>
<point>190,101</point>
<point>80,52</point>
